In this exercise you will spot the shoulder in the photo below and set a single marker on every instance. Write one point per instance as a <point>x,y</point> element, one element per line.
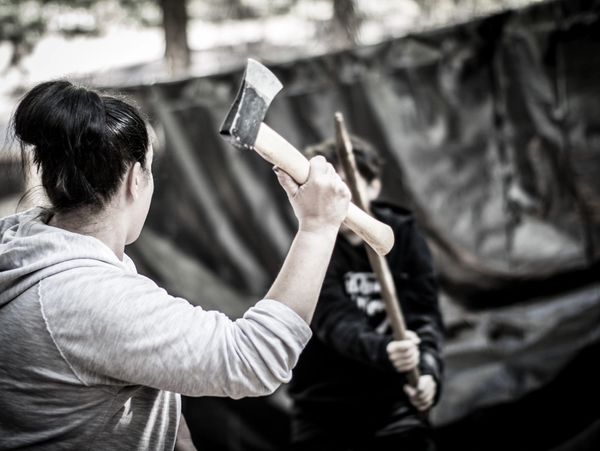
<point>100,292</point>
<point>408,236</point>
<point>104,305</point>
<point>396,216</point>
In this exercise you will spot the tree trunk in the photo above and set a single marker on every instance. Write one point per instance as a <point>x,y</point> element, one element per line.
<point>347,19</point>
<point>238,10</point>
<point>177,50</point>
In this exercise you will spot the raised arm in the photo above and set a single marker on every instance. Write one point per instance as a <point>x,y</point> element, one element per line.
<point>133,332</point>
<point>320,206</point>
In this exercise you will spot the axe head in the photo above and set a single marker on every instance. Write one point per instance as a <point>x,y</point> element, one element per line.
<point>259,87</point>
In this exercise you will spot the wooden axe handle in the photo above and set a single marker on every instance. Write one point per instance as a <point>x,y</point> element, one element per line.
<point>378,263</point>
<point>277,151</point>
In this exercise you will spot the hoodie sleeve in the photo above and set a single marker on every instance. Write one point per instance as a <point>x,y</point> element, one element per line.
<point>117,328</point>
<point>343,327</point>
<point>417,288</point>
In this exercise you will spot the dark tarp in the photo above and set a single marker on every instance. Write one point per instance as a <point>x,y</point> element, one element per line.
<point>491,133</point>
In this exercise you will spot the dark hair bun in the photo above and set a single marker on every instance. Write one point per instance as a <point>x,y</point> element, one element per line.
<point>56,113</point>
<point>82,150</point>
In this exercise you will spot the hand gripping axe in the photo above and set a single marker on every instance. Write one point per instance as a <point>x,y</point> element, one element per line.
<point>244,128</point>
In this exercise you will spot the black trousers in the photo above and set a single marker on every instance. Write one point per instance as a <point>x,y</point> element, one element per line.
<point>363,426</point>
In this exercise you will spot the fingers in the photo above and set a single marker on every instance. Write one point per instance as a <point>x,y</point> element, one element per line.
<point>341,187</point>
<point>410,391</point>
<point>405,362</point>
<point>319,165</point>
<point>412,336</point>
<point>288,184</point>
<point>401,346</point>
<point>404,354</point>
<point>323,200</point>
<point>324,172</point>
<point>422,397</point>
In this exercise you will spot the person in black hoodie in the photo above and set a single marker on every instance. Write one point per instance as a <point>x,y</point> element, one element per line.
<point>349,388</point>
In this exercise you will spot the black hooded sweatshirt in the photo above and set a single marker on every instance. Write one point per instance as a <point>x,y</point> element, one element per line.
<point>346,361</point>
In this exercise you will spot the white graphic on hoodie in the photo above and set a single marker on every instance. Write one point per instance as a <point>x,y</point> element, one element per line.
<point>364,290</point>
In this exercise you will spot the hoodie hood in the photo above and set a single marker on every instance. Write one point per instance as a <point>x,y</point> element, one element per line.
<point>31,250</point>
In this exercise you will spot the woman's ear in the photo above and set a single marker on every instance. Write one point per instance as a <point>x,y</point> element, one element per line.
<point>134,180</point>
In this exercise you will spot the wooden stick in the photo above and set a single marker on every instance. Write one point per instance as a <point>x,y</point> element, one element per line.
<point>378,262</point>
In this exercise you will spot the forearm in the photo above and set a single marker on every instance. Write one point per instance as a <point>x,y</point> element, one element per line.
<point>300,279</point>
<point>348,335</point>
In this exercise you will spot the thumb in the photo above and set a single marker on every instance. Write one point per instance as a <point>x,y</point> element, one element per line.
<point>410,391</point>
<point>287,183</point>
<point>412,336</point>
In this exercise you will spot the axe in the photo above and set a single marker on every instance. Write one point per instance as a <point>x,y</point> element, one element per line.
<point>378,263</point>
<point>244,128</point>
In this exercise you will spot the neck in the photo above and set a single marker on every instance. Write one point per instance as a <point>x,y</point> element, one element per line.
<point>105,225</point>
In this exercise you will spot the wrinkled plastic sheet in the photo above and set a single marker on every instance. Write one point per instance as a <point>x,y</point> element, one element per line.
<point>489,131</point>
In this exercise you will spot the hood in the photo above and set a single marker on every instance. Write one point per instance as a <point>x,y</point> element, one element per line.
<point>31,250</point>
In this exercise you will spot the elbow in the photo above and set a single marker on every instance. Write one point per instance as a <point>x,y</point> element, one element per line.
<point>257,372</point>
<point>259,379</point>
<point>241,383</point>
<point>254,389</point>
<point>260,358</point>
<point>248,370</point>
<point>250,384</point>
<point>265,387</point>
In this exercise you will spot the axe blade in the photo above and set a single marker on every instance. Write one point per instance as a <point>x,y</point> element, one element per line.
<point>259,87</point>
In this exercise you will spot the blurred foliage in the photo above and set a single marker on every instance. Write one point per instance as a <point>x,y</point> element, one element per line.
<point>24,22</point>
<point>471,7</point>
<point>21,25</point>
<point>220,10</point>
<point>347,19</point>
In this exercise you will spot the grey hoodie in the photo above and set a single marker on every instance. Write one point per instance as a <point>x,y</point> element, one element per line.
<point>94,355</point>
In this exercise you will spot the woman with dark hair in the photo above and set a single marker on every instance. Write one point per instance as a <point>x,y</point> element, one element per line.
<point>94,356</point>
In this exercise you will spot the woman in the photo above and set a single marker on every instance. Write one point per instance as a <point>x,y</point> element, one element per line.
<point>94,356</point>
